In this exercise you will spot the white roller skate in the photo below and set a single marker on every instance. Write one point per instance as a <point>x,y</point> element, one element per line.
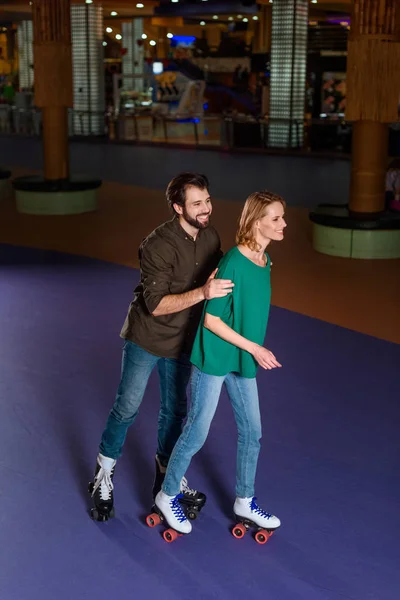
<point>168,509</point>
<point>249,515</point>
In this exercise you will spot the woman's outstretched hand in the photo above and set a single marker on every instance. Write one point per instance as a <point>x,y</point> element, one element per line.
<point>265,358</point>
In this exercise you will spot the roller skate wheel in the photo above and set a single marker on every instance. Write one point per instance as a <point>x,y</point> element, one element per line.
<point>238,531</point>
<point>170,535</point>
<point>261,537</point>
<point>192,515</point>
<point>153,520</point>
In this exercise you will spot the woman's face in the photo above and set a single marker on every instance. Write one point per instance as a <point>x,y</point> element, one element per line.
<point>271,226</point>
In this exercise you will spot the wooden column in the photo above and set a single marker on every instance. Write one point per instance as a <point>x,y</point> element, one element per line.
<point>373,90</point>
<point>53,81</point>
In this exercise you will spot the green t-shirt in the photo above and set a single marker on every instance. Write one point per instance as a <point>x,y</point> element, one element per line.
<point>245,310</point>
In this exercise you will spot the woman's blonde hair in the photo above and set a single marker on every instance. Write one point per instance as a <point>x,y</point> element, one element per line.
<point>253,210</point>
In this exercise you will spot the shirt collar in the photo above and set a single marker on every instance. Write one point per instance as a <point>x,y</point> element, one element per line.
<point>177,227</point>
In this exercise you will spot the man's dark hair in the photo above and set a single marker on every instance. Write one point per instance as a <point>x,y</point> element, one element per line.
<point>176,190</point>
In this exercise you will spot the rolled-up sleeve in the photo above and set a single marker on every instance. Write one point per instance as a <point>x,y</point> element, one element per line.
<point>156,272</point>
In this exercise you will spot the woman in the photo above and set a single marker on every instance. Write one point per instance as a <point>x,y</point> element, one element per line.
<point>228,349</point>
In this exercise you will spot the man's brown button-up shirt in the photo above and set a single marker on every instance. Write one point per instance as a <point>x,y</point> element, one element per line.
<point>171,262</point>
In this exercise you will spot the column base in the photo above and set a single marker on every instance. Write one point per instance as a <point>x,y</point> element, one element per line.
<point>337,232</point>
<point>35,195</point>
<point>5,187</point>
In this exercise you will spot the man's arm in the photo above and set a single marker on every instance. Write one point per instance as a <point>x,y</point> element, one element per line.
<point>213,288</point>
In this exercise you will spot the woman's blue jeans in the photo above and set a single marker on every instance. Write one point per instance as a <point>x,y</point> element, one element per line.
<point>205,393</point>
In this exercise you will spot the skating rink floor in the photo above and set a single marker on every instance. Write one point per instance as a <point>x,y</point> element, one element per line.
<point>328,466</point>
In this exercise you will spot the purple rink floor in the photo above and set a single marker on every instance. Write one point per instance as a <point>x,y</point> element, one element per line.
<point>329,465</point>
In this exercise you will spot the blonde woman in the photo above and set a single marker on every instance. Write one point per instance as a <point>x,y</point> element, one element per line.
<point>228,349</point>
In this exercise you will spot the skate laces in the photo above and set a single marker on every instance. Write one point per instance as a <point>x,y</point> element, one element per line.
<point>177,509</point>
<point>259,511</point>
<point>104,481</point>
<point>186,489</point>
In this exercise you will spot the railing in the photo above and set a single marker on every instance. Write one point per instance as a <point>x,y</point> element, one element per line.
<point>225,132</point>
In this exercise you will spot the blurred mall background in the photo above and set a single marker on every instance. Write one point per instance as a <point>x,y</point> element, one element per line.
<point>203,72</point>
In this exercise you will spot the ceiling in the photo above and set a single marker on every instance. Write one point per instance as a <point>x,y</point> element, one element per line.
<point>12,11</point>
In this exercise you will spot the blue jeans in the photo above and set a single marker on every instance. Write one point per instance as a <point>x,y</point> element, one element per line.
<point>205,393</point>
<point>137,365</point>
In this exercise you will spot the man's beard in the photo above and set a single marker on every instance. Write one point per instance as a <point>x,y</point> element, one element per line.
<point>195,222</point>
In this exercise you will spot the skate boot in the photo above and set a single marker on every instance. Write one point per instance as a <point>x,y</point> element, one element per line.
<point>101,489</point>
<point>171,511</point>
<point>249,515</point>
<point>192,500</point>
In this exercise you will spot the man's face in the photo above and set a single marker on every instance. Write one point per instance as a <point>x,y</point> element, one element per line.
<point>197,209</point>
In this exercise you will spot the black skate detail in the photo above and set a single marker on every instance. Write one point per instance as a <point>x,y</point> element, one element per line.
<point>192,501</point>
<point>158,477</point>
<point>102,494</point>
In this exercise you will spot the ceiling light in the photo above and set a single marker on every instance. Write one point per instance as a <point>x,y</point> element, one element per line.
<point>139,5</point>
<point>144,36</point>
<point>175,1</point>
<point>87,1</point>
<point>202,23</point>
<point>215,17</point>
<point>153,43</point>
<point>245,20</point>
<point>170,35</point>
<point>255,18</point>
<point>240,16</point>
<point>104,43</point>
<point>118,36</point>
<point>230,18</point>
<point>113,13</point>
<point>109,29</point>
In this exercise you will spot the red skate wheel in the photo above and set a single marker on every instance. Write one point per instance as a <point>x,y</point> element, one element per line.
<point>238,531</point>
<point>170,535</point>
<point>262,536</point>
<point>153,520</point>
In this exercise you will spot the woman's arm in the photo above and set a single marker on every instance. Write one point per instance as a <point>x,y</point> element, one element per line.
<point>264,357</point>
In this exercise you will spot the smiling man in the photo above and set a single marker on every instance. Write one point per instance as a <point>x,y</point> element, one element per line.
<point>177,268</point>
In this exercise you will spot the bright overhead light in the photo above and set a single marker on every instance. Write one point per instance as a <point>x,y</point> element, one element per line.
<point>152,43</point>
<point>113,13</point>
<point>215,17</point>
<point>174,1</point>
<point>255,18</point>
<point>240,16</point>
<point>245,20</point>
<point>104,43</point>
<point>144,36</point>
<point>109,29</point>
<point>87,2</point>
<point>202,23</point>
<point>118,36</point>
<point>139,5</point>
<point>170,35</point>
<point>230,18</point>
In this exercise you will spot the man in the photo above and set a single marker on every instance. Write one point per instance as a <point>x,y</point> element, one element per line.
<point>177,268</point>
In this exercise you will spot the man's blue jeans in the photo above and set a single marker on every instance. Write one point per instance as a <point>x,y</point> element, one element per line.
<point>205,393</point>
<point>137,365</point>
